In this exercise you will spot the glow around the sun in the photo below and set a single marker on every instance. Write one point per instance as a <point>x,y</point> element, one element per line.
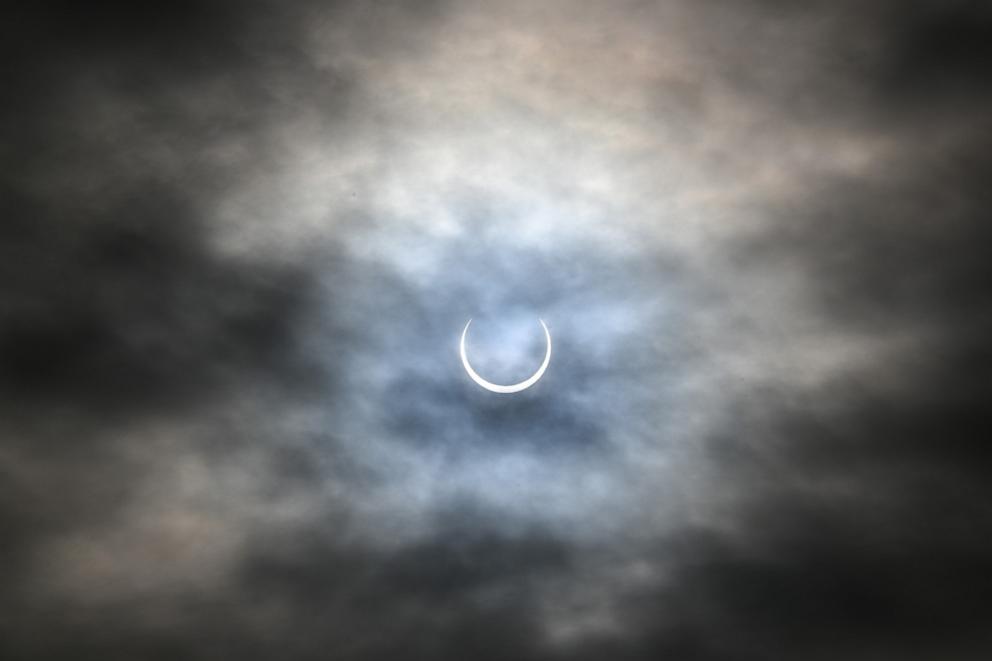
<point>516,387</point>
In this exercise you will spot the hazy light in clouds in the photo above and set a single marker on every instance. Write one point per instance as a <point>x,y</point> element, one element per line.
<point>241,242</point>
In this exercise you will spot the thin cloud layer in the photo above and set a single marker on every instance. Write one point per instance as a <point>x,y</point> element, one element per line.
<point>241,242</point>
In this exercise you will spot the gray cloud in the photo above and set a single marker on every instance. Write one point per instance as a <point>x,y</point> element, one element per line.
<point>240,244</point>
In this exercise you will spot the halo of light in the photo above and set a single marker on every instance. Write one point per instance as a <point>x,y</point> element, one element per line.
<point>516,387</point>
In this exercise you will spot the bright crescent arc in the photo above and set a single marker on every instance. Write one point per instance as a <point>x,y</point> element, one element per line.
<point>516,387</point>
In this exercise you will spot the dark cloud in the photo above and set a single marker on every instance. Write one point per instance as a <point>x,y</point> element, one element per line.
<point>127,311</point>
<point>239,244</point>
<point>941,52</point>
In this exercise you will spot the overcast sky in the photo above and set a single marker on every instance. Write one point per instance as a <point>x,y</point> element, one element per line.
<point>238,245</point>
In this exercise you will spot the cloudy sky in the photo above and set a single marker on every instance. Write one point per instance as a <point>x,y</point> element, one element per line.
<point>239,242</point>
